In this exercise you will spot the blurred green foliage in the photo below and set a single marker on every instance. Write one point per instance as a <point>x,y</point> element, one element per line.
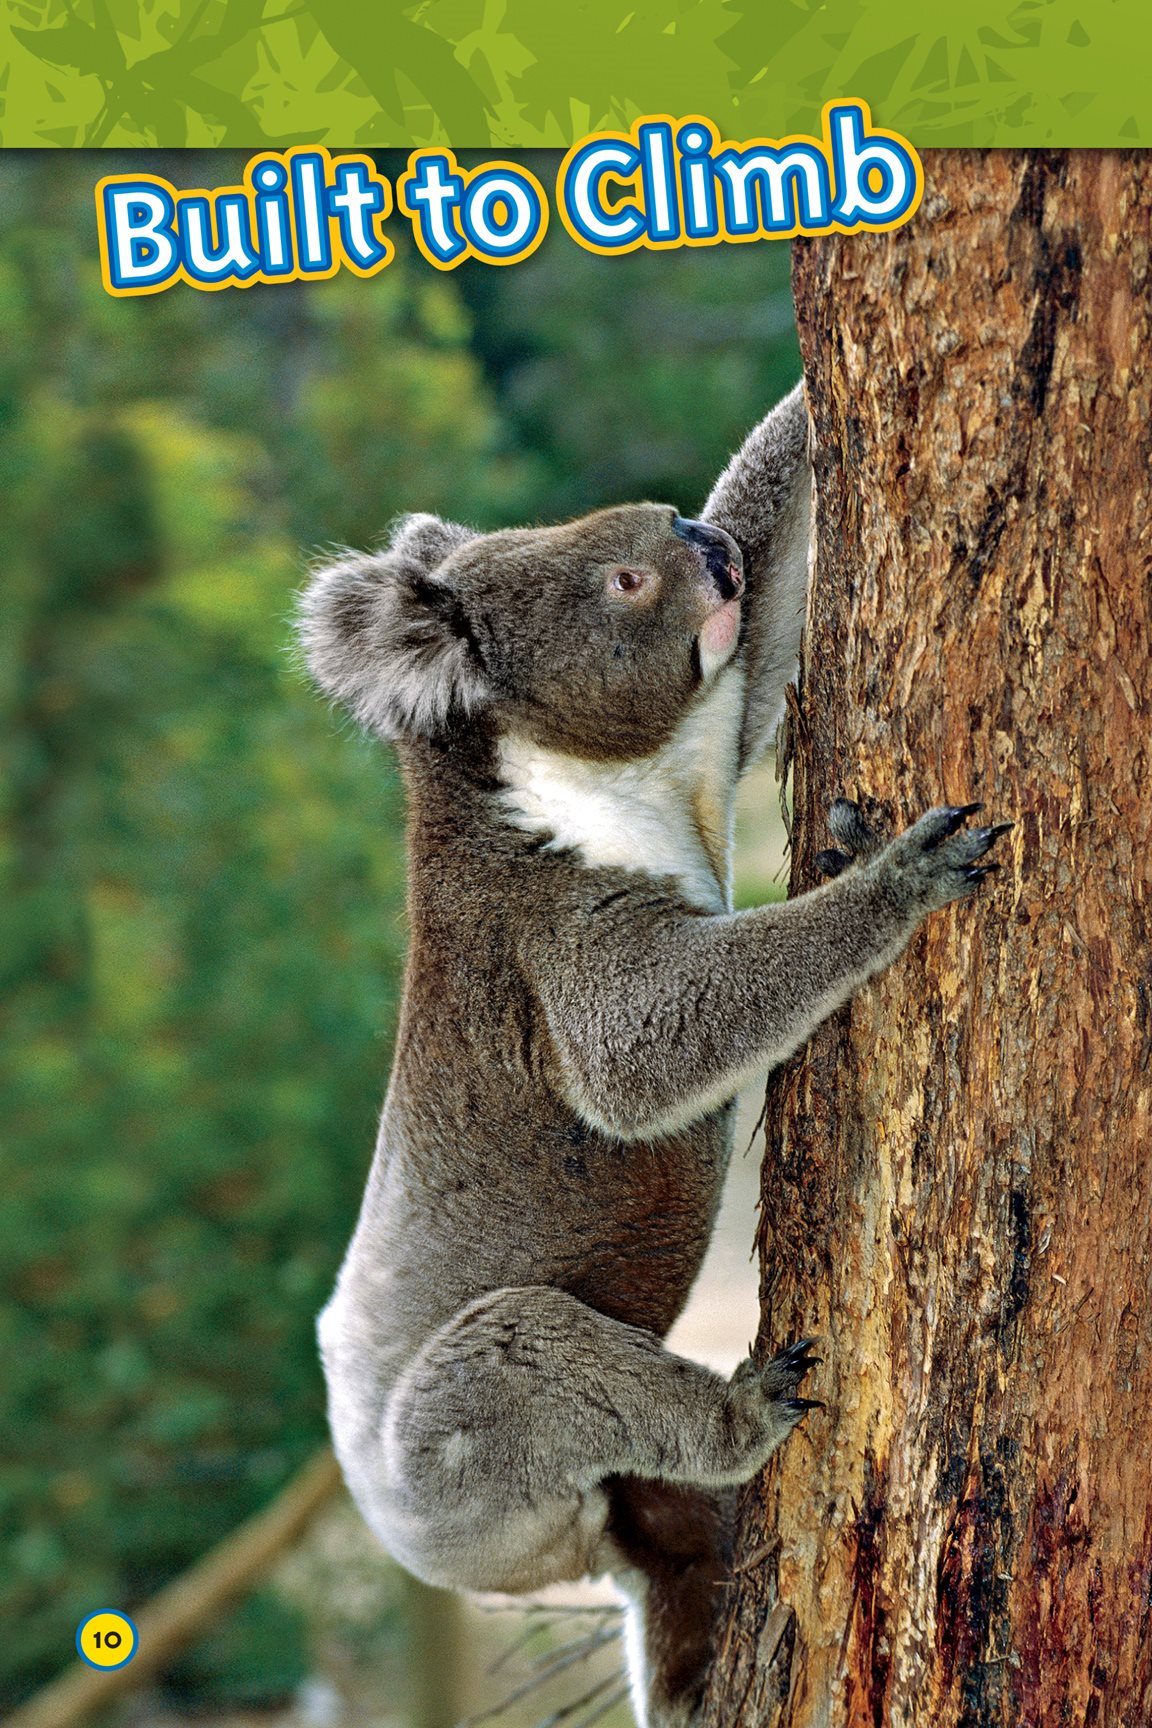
<point>202,872</point>
<point>257,1657</point>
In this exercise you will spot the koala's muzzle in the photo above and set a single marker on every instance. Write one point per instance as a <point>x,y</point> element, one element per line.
<point>723,557</point>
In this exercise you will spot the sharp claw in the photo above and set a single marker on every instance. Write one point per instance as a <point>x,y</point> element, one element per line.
<point>804,1365</point>
<point>804,1404</point>
<point>983,839</point>
<point>800,1348</point>
<point>978,872</point>
<point>954,817</point>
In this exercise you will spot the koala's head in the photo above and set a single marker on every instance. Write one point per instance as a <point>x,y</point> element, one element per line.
<point>593,637</point>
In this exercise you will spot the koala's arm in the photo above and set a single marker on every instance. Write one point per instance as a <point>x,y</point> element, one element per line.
<point>763,499</point>
<point>659,1015</point>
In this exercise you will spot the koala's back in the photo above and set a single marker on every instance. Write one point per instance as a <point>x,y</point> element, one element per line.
<point>477,1186</point>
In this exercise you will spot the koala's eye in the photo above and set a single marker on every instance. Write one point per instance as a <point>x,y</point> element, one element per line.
<point>627,581</point>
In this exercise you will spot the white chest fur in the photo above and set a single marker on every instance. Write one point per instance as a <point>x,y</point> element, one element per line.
<point>669,813</point>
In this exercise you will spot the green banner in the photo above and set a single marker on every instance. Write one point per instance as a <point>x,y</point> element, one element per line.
<point>515,73</point>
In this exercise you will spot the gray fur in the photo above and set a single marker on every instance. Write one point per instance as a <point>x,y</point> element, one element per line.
<point>763,499</point>
<point>580,1007</point>
<point>377,629</point>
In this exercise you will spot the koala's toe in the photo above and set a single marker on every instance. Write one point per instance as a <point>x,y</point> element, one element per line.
<point>980,839</point>
<point>962,849</point>
<point>780,1377</point>
<point>832,863</point>
<point>798,1408</point>
<point>935,826</point>
<point>848,827</point>
<point>799,1356</point>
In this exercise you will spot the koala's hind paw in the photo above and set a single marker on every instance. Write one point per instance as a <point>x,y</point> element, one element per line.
<point>765,1401</point>
<point>781,1377</point>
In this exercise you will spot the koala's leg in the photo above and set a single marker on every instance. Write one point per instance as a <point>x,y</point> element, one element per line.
<point>676,1542</point>
<point>499,1435</point>
<point>686,1008</point>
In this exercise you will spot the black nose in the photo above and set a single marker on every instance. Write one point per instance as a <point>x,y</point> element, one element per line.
<point>724,558</point>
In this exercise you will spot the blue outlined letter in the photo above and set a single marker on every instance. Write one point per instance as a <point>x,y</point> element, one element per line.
<point>273,224</point>
<point>657,176</point>
<point>858,154</point>
<point>142,254</point>
<point>430,193</point>
<point>695,142</point>
<point>356,198</point>
<point>313,241</point>
<point>502,214</point>
<point>590,220</point>
<point>232,258</point>
<point>775,191</point>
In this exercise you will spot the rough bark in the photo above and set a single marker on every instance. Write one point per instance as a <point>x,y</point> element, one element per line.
<point>958,1181</point>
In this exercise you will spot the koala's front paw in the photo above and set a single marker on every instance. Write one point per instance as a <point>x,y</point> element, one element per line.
<point>931,864</point>
<point>763,1404</point>
<point>935,861</point>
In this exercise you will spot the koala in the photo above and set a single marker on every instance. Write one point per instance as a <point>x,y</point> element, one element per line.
<point>572,707</point>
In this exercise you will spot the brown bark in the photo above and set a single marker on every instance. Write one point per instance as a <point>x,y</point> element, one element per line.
<point>958,1183</point>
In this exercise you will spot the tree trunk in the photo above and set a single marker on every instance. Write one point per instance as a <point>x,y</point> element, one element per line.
<point>958,1185</point>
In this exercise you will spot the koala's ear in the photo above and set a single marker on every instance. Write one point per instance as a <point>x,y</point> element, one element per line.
<point>384,634</point>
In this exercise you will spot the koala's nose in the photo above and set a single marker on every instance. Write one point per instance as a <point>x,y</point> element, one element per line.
<point>724,558</point>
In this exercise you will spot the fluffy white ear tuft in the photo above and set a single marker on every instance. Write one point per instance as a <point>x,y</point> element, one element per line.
<point>384,634</point>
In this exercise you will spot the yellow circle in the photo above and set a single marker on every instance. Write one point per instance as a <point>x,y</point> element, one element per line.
<point>106,1639</point>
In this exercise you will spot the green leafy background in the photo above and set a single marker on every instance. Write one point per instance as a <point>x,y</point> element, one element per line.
<point>201,869</point>
<point>516,73</point>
